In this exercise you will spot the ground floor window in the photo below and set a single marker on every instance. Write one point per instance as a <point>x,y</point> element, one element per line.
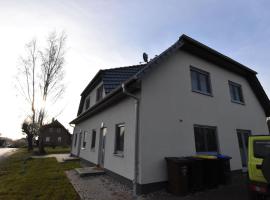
<point>84,140</point>
<point>205,138</point>
<point>75,140</point>
<point>47,139</point>
<point>59,139</point>
<point>93,142</point>
<point>119,139</point>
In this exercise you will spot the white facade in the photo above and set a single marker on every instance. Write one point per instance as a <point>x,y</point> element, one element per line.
<point>168,112</point>
<point>123,112</point>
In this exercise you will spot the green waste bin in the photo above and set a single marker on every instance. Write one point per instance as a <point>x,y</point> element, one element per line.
<point>178,175</point>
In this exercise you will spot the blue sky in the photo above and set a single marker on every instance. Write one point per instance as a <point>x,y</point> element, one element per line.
<point>110,33</point>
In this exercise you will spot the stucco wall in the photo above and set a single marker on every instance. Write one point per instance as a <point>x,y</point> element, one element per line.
<point>123,112</point>
<point>169,109</point>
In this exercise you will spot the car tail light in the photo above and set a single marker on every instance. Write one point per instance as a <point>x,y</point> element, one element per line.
<point>257,188</point>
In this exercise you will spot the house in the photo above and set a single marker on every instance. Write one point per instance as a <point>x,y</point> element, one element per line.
<point>189,99</point>
<point>55,134</point>
<point>2,142</point>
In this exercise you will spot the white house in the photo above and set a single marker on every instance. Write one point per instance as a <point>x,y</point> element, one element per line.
<point>191,99</point>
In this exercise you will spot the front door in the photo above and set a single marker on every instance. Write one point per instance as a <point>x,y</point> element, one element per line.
<point>242,136</point>
<point>102,143</point>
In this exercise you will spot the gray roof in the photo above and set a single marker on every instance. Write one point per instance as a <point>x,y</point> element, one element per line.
<point>114,77</point>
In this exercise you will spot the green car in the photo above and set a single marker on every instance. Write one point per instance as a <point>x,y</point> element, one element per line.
<point>259,166</point>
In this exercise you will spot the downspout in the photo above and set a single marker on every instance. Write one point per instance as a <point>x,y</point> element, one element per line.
<point>136,152</point>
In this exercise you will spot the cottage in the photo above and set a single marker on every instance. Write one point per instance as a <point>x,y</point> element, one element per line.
<point>55,134</point>
<point>190,99</point>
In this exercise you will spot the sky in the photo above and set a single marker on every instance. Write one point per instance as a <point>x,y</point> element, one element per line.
<point>112,33</point>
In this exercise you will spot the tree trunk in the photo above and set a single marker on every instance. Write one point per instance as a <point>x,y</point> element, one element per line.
<point>30,142</point>
<point>41,146</point>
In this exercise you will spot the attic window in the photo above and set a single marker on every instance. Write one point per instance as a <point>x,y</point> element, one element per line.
<point>87,103</point>
<point>236,92</point>
<point>99,93</point>
<point>200,81</point>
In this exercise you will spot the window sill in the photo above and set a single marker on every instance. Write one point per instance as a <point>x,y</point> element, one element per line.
<point>121,155</point>
<point>83,148</point>
<point>238,102</point>
<point>203,93</point>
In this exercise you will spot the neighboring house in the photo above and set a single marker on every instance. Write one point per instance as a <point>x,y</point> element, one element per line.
<point>2,142</point>
<point>55,134</point>
<point>193,100</point>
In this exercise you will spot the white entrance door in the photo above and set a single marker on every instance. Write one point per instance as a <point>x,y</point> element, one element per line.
<point>243,146</point>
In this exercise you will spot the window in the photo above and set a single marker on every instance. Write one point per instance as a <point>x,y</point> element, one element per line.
<point>84,142</point>
<point>50,130</point>
<point>236,92</point>
<point>47,139</point>
<point>119,139</point>
<point>58,130</point>
<point>200,81</point>
<point>205,139</point>
<point>93,142</point>
<point>99,93</point>
<point>87,103</point>
<point>59,139</point>
<point>75,140</point>
<point>261,148</point>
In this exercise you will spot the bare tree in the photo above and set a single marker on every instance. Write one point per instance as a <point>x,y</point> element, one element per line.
<point>52,73</point>
<point>41,78</point>
<point>29,129</point>
<point>26,84</point>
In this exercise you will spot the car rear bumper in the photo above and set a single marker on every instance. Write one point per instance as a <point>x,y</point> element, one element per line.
<point>262,188</point>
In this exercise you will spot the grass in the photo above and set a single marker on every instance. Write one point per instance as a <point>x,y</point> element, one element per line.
<point>24,178</point>
<point>50,150</point>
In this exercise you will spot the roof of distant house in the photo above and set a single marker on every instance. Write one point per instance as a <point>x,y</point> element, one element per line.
<point>53,124</point>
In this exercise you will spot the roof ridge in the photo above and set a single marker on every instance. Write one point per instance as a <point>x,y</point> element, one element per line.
<point>125,67</point>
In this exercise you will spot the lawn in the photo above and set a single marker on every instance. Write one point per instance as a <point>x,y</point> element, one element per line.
<point>24,178</point>
<point>50,150</point>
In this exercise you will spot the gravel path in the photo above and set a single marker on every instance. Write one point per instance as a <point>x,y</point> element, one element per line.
<point>103,187</point>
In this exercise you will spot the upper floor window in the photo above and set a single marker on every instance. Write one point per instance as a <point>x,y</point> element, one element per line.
<point>236,92</point>
<point>87,103</point>
<point>50,130</point>
<point>200,81</point>
<point>119,139</point>
<point>99,93</point>
<point>58,130</point>
<point>93,142</point>
<point>205,138</point>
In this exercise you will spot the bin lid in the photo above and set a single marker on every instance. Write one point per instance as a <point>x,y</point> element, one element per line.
<point>224,156</point>
<point>205,156</point>
<point>178,159</point>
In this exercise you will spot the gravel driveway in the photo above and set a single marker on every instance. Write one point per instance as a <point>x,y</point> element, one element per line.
<point>104,187</point>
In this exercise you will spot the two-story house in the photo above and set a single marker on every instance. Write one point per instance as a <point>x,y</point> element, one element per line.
<point>190,99</point>
<point>55,134</point>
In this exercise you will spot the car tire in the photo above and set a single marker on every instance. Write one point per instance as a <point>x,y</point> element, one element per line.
<point>266,168</point>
